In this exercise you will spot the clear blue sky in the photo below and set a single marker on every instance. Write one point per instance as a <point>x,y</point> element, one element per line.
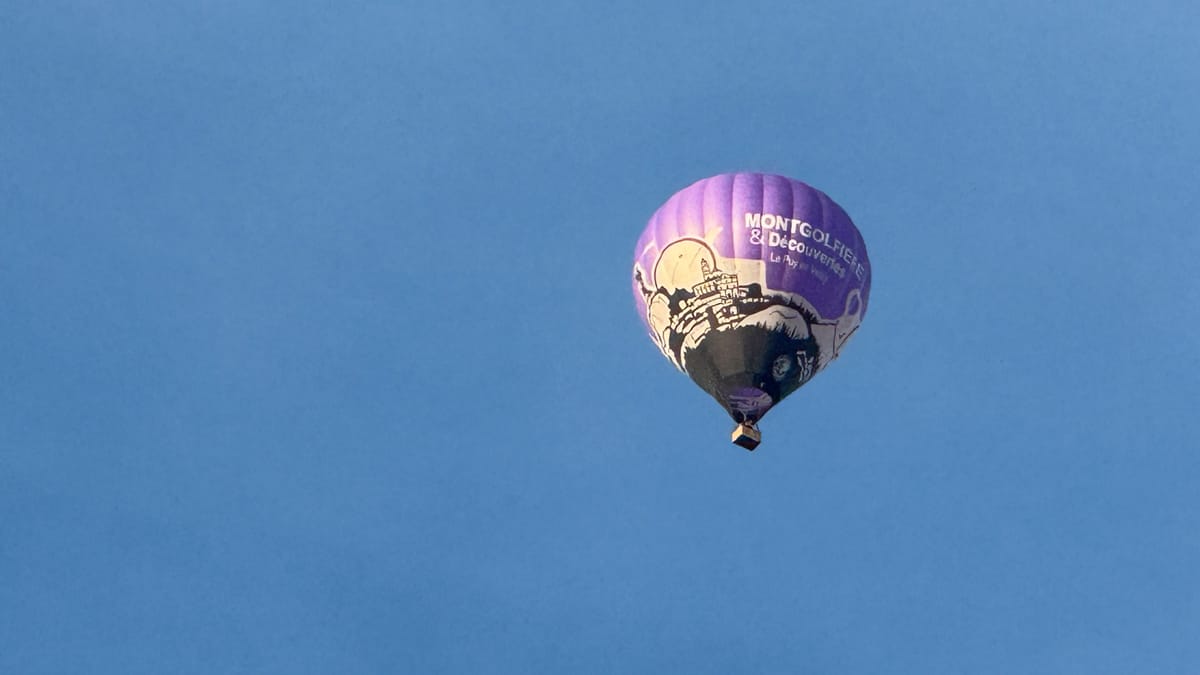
<point>318,354</point>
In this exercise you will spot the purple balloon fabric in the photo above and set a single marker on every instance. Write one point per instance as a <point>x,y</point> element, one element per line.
<point>751,284</point>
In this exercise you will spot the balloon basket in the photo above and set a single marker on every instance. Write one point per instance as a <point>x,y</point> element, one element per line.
<point>747,436</point>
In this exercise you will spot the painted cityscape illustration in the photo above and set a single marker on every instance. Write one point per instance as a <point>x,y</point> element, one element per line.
<point>747,345</point>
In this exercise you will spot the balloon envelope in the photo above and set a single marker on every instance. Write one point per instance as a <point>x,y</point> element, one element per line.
<point>751,284</point>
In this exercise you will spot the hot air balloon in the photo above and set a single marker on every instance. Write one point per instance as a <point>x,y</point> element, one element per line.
<point>750,284</point>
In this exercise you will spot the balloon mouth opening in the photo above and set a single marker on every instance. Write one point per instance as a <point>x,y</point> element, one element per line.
<point>747,405</point>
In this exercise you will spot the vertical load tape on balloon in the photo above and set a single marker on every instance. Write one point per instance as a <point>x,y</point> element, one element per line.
<point>750,284</point>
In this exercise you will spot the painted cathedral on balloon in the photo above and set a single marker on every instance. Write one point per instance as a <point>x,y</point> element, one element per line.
<point>747,345</point>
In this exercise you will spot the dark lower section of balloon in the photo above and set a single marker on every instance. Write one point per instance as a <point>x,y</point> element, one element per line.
<point>732,365</point>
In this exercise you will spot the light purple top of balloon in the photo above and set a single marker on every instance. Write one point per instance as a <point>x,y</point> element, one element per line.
<point>806,242</point>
